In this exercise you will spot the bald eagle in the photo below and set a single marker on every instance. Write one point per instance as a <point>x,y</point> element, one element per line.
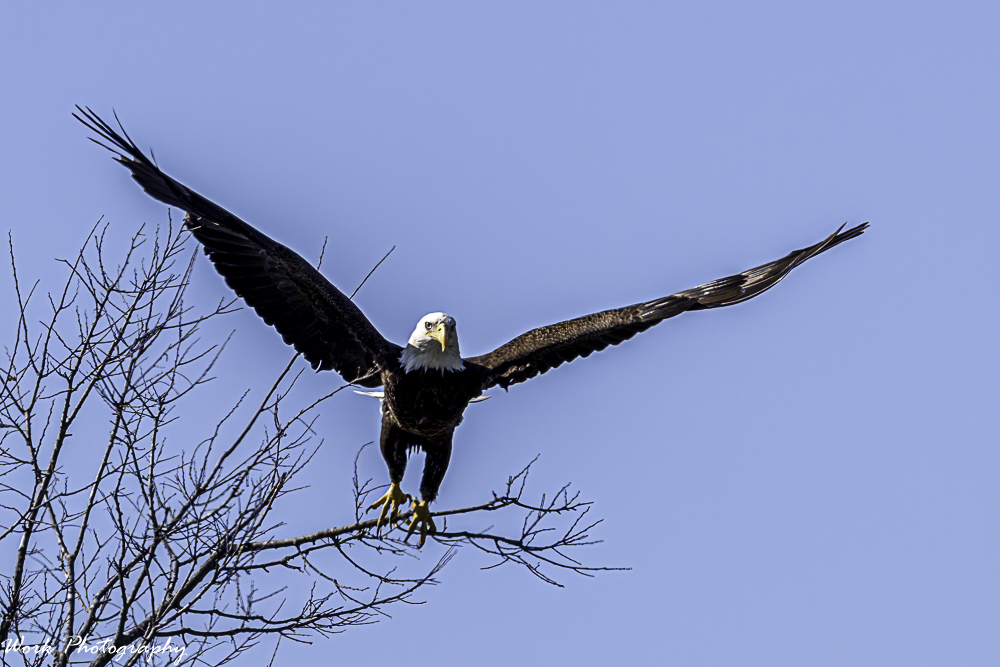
<point>427,384</point>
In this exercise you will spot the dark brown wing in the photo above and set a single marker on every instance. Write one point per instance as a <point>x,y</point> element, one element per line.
<point>544,348</point>
<point>286,291</point>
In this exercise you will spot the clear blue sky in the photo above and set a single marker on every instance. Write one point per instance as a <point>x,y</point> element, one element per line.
<point>806,479</point>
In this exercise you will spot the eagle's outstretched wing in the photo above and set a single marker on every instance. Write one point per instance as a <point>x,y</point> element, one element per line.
<point>286,291</point>
<point>542,349</point>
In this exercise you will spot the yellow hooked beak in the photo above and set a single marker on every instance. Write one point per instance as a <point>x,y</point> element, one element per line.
<point>440,334</point>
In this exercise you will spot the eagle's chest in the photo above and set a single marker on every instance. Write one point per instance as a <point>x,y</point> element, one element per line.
<point>427,402</point>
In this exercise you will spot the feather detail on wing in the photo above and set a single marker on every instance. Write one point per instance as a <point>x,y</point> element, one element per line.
<point>545,348</point>
<point>310,313</point>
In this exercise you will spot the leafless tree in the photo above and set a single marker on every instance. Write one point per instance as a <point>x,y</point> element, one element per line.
<point>161,545</point>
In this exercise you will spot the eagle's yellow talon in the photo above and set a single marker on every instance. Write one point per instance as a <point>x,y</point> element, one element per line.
<point>390,503</point>
<point>422,516</point>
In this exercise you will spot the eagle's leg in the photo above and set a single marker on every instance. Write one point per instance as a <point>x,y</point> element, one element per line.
<point>390,503</point>
<point>435,465</point>
<point>421,517</point>
<point>394,452</point>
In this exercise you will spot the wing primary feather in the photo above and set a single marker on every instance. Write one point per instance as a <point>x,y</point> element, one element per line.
<point>545,348</point>
<point>286,291</point>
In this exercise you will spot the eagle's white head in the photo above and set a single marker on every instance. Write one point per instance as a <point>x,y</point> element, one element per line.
<point>433,345</point>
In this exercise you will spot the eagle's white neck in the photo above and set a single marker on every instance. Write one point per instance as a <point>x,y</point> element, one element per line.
<point>430,358</point>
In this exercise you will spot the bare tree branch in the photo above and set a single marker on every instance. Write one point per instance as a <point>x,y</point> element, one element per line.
<point>124,536</point>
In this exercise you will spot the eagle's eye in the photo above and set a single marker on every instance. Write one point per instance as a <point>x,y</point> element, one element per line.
<point>427,325</point>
